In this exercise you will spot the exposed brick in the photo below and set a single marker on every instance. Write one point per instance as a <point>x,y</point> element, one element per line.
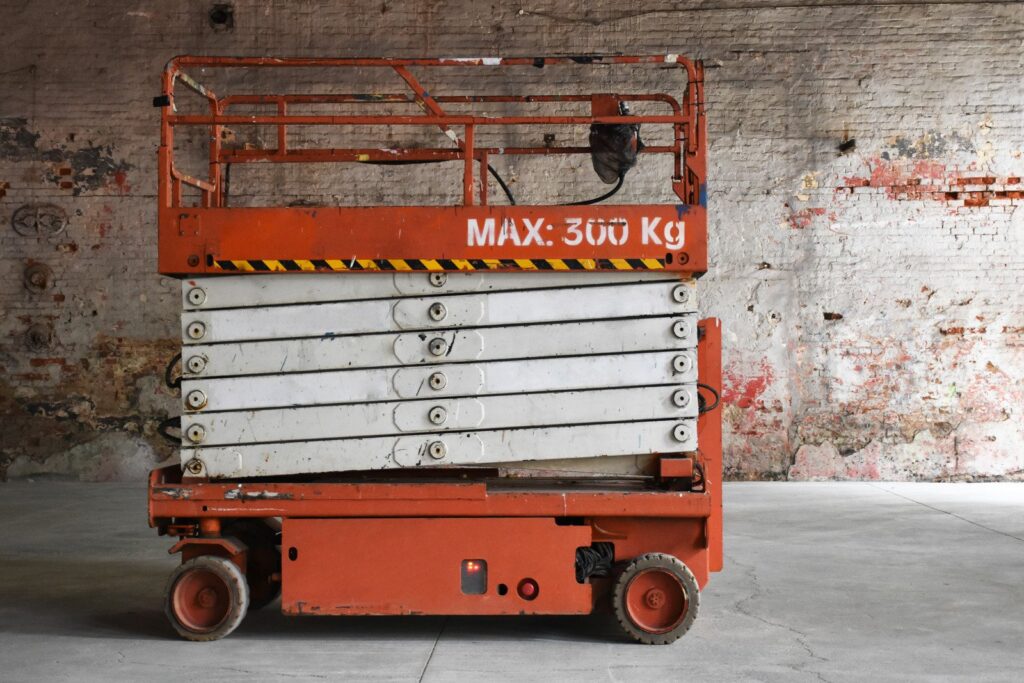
<point>877,393</point>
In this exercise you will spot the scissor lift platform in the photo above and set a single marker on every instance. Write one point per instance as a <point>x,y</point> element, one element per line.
<point>264,507</point>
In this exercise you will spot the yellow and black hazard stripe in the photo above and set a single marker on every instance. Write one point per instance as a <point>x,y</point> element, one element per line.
<point>411,265</point>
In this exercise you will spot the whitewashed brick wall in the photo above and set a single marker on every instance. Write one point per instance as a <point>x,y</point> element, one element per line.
<point>872,299</point>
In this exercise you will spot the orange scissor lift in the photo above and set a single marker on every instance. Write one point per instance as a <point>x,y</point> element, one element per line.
<point>461,537</point>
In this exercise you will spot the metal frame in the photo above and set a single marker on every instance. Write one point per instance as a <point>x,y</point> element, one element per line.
<point>637,519</point>
<point>210,238</point>
<point>529,528</point>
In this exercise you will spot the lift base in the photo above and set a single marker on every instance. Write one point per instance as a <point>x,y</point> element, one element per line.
<point>434,547</point>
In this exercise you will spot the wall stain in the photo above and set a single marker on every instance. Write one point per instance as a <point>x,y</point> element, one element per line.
<point>58,406</point>
<point>82,169</point>
<point>930,145</point>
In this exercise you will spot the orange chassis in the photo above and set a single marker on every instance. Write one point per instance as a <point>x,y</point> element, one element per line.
<point>381,546</point>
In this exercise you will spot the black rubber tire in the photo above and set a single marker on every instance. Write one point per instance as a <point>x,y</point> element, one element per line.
<point>661,562</point>
<point>236,592</point>
<point>264,560</point>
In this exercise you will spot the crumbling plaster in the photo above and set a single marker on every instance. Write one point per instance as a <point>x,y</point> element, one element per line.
<point>865,196</point>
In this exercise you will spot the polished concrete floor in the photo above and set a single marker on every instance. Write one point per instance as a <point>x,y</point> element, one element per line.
<point>823,582</point>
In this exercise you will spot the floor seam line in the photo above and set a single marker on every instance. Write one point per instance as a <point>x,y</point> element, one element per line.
<point>423,672</point>
<point>947,512</point>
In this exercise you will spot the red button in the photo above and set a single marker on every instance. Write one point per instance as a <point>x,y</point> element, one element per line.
<point>528,589</point>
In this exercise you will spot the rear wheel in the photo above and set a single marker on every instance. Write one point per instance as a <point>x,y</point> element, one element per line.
<point>206,598</point>
<point>656,599</point>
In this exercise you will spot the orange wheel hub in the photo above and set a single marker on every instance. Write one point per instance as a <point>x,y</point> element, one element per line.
<point>201,600</point>
<point>656,601</point>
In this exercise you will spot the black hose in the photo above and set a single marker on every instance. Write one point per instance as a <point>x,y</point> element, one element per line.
<point>172,383</point>
<point>409,162</point>
<point>501,181</point>
<point>226,191</point>
<point>700,399</point>
<point>170,423</point>
<point>603,197</point>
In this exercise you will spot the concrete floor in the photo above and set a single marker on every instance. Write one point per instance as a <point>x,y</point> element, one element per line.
<point>836,582</point>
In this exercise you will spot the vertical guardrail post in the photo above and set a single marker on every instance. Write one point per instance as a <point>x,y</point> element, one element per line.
<point>282,129</point>
<point>483,178</point>
<point>467,179</point>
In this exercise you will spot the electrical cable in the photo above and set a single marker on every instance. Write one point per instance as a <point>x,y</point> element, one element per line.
<point>504,187</point>
<point>170,423</point>
<point>406,162</point>
<point>603,197</point>
<point>594,560</point>
<point>703,408</point>
<point>172,383</point>
<point>226,191</point>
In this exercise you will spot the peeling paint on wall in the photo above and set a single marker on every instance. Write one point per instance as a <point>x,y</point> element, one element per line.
<point>79,169</point>
<point>865,218</point>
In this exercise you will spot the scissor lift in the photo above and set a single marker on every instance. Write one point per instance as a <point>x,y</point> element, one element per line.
<point>412,409</point>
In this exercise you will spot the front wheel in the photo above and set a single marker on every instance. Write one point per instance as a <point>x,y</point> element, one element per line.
<point>656,599</point>
<point>206,598</point>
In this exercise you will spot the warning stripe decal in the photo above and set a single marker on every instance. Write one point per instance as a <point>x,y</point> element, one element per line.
<point>407,265</point>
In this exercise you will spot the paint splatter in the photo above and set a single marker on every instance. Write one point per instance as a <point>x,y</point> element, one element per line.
<point>744,390</point>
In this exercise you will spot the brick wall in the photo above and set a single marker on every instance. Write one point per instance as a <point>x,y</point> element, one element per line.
<point>865,199</point>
